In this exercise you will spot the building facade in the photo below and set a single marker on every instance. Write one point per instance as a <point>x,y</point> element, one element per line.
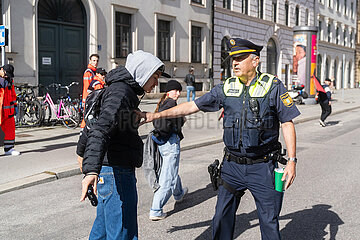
<point>336,20</point>
<point>357,50</point>
<point>50,40</point>
<point>267,23</point>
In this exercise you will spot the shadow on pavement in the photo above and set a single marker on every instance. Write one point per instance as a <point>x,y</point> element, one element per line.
<point>304,224</point>
<point>194,198</point>
<point>332,123</point>
<point>19,142</point>
<point>51,147</point>
<point>311,223</point>
<point>242,223</point>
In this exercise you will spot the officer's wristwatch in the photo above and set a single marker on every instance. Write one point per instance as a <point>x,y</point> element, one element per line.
<point>293,159</point>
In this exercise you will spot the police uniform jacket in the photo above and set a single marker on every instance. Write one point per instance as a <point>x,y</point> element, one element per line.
<point>251,113</point>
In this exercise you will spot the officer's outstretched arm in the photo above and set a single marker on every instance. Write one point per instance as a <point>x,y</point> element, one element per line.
<point>180,110</point>
<point>289,134</point>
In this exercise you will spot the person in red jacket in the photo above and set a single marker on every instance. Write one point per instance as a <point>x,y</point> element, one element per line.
<point>88,77</point>
<point>99,80</point>
<point>8,108</point>
<point>97,83</point>
<point>89,74</point>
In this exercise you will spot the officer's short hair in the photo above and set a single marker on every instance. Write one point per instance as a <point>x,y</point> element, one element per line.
<point>94,55</point>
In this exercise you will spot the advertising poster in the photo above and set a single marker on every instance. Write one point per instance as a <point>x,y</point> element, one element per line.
<point>299,59</point>
<point>313,63</point>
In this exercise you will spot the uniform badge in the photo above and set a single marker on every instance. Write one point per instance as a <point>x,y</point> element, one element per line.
<point>287,100</point>
<point>232,42</point>
<point>101,180</point>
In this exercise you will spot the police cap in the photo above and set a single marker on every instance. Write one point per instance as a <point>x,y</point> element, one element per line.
<point>238,46</point>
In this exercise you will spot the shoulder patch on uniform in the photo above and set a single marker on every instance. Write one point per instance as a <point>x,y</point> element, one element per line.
<point>275,80</point>
<point>287,100</point>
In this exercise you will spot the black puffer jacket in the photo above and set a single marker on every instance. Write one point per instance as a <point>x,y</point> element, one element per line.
<point>115,140</point>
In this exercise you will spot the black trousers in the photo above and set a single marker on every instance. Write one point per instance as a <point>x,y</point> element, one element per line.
<point>325,110</point>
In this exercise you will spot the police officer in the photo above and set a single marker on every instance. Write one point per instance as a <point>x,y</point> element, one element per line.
<point>254,106</point>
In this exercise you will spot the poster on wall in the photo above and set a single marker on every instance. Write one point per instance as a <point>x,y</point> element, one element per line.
<point>299,59</point>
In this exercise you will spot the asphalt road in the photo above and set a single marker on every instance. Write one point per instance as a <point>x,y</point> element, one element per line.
<point>322,203</point>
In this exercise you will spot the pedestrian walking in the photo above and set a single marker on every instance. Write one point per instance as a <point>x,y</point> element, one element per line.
<point>190,84</point>
<point>167,134</point>
<point>88,77</point>
<point>112,148</point>
<point>8,108</point>
<point>254,106</point>
<point>325,102</point>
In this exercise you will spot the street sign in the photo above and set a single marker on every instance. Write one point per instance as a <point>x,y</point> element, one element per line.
<point>2,35</point>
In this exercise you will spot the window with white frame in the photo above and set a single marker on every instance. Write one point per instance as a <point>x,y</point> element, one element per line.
<point>261,9</point>
<point>227,4</point>
<point>320,30</point>
<point>351,39</point>
<point>329,32</point>
<point>338,5</point>
<point>163,45</point>
<point>196,44</point>
<point>352,10</point>
<point>197,1</point>
<point>345,7</point>
<point>244,6</point>
<point>122,34</point>
<point>297,16</point>
<point>329,3</point>
<point>337,35</point>
<point>345,37</point>
<point>307,17</point>
<point>273,10</point>
<point>287,13</point>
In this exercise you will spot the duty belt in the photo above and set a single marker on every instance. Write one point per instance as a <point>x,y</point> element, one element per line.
<point>243,160</point>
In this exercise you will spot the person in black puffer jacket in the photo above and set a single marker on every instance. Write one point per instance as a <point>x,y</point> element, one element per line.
<point>167,134</point>
<point>113,148</point>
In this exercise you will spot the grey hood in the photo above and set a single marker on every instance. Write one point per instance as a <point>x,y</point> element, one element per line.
<point>142,65</point>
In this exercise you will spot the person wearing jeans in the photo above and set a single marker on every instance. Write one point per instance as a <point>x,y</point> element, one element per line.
<point>167,134</point>
<point>190,84</point>
<point>120,190</point>
<point>111,149</point>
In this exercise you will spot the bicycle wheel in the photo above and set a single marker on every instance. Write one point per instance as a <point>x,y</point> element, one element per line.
<point>33,113</point>
<point>46,114</point>
<point>70,115</point>
<point>19,121</point>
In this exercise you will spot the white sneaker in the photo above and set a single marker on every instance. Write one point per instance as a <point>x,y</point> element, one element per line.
<point>12,152</point>
<point>157,218</point>
<point>185,190</point>
<point>322,123</point>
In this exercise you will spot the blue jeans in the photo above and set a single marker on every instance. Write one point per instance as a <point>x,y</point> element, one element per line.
<point>169,180</point>
<point>116,216</point>
<point>190,89</point>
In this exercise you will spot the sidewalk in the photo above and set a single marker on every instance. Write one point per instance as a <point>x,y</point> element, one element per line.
<point>48,153</point>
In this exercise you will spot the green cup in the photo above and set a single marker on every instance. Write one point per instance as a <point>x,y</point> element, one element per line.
<point>279,185</point>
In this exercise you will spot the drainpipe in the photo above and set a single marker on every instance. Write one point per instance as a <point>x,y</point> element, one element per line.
<point>211,69</point>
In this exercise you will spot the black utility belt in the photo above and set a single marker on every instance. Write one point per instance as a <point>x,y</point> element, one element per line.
<point>243,160</point>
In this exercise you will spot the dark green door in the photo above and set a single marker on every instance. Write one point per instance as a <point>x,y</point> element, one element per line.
<point>62,43</point>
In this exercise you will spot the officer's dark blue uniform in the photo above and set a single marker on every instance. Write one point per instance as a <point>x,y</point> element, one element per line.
<point>251,131</point>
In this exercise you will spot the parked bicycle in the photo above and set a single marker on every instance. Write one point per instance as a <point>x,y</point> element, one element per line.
<point>29,107</point>
<point>66,110</point>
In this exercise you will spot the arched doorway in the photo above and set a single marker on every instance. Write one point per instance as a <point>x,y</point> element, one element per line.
<point>225,61</point>
<point>62,42</point>
<point>271,59</point>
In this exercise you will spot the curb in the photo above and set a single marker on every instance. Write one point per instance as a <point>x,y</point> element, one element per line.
<point>72,170</point>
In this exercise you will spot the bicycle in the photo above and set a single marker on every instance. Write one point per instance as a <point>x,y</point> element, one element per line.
<point>66,110</point>
<point>29,107</point>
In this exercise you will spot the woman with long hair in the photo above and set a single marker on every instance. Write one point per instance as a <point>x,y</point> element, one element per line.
<point>167,134</point>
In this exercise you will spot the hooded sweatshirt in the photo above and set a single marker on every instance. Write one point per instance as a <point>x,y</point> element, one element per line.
<point>114,140</point>
<point>142,65</point>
